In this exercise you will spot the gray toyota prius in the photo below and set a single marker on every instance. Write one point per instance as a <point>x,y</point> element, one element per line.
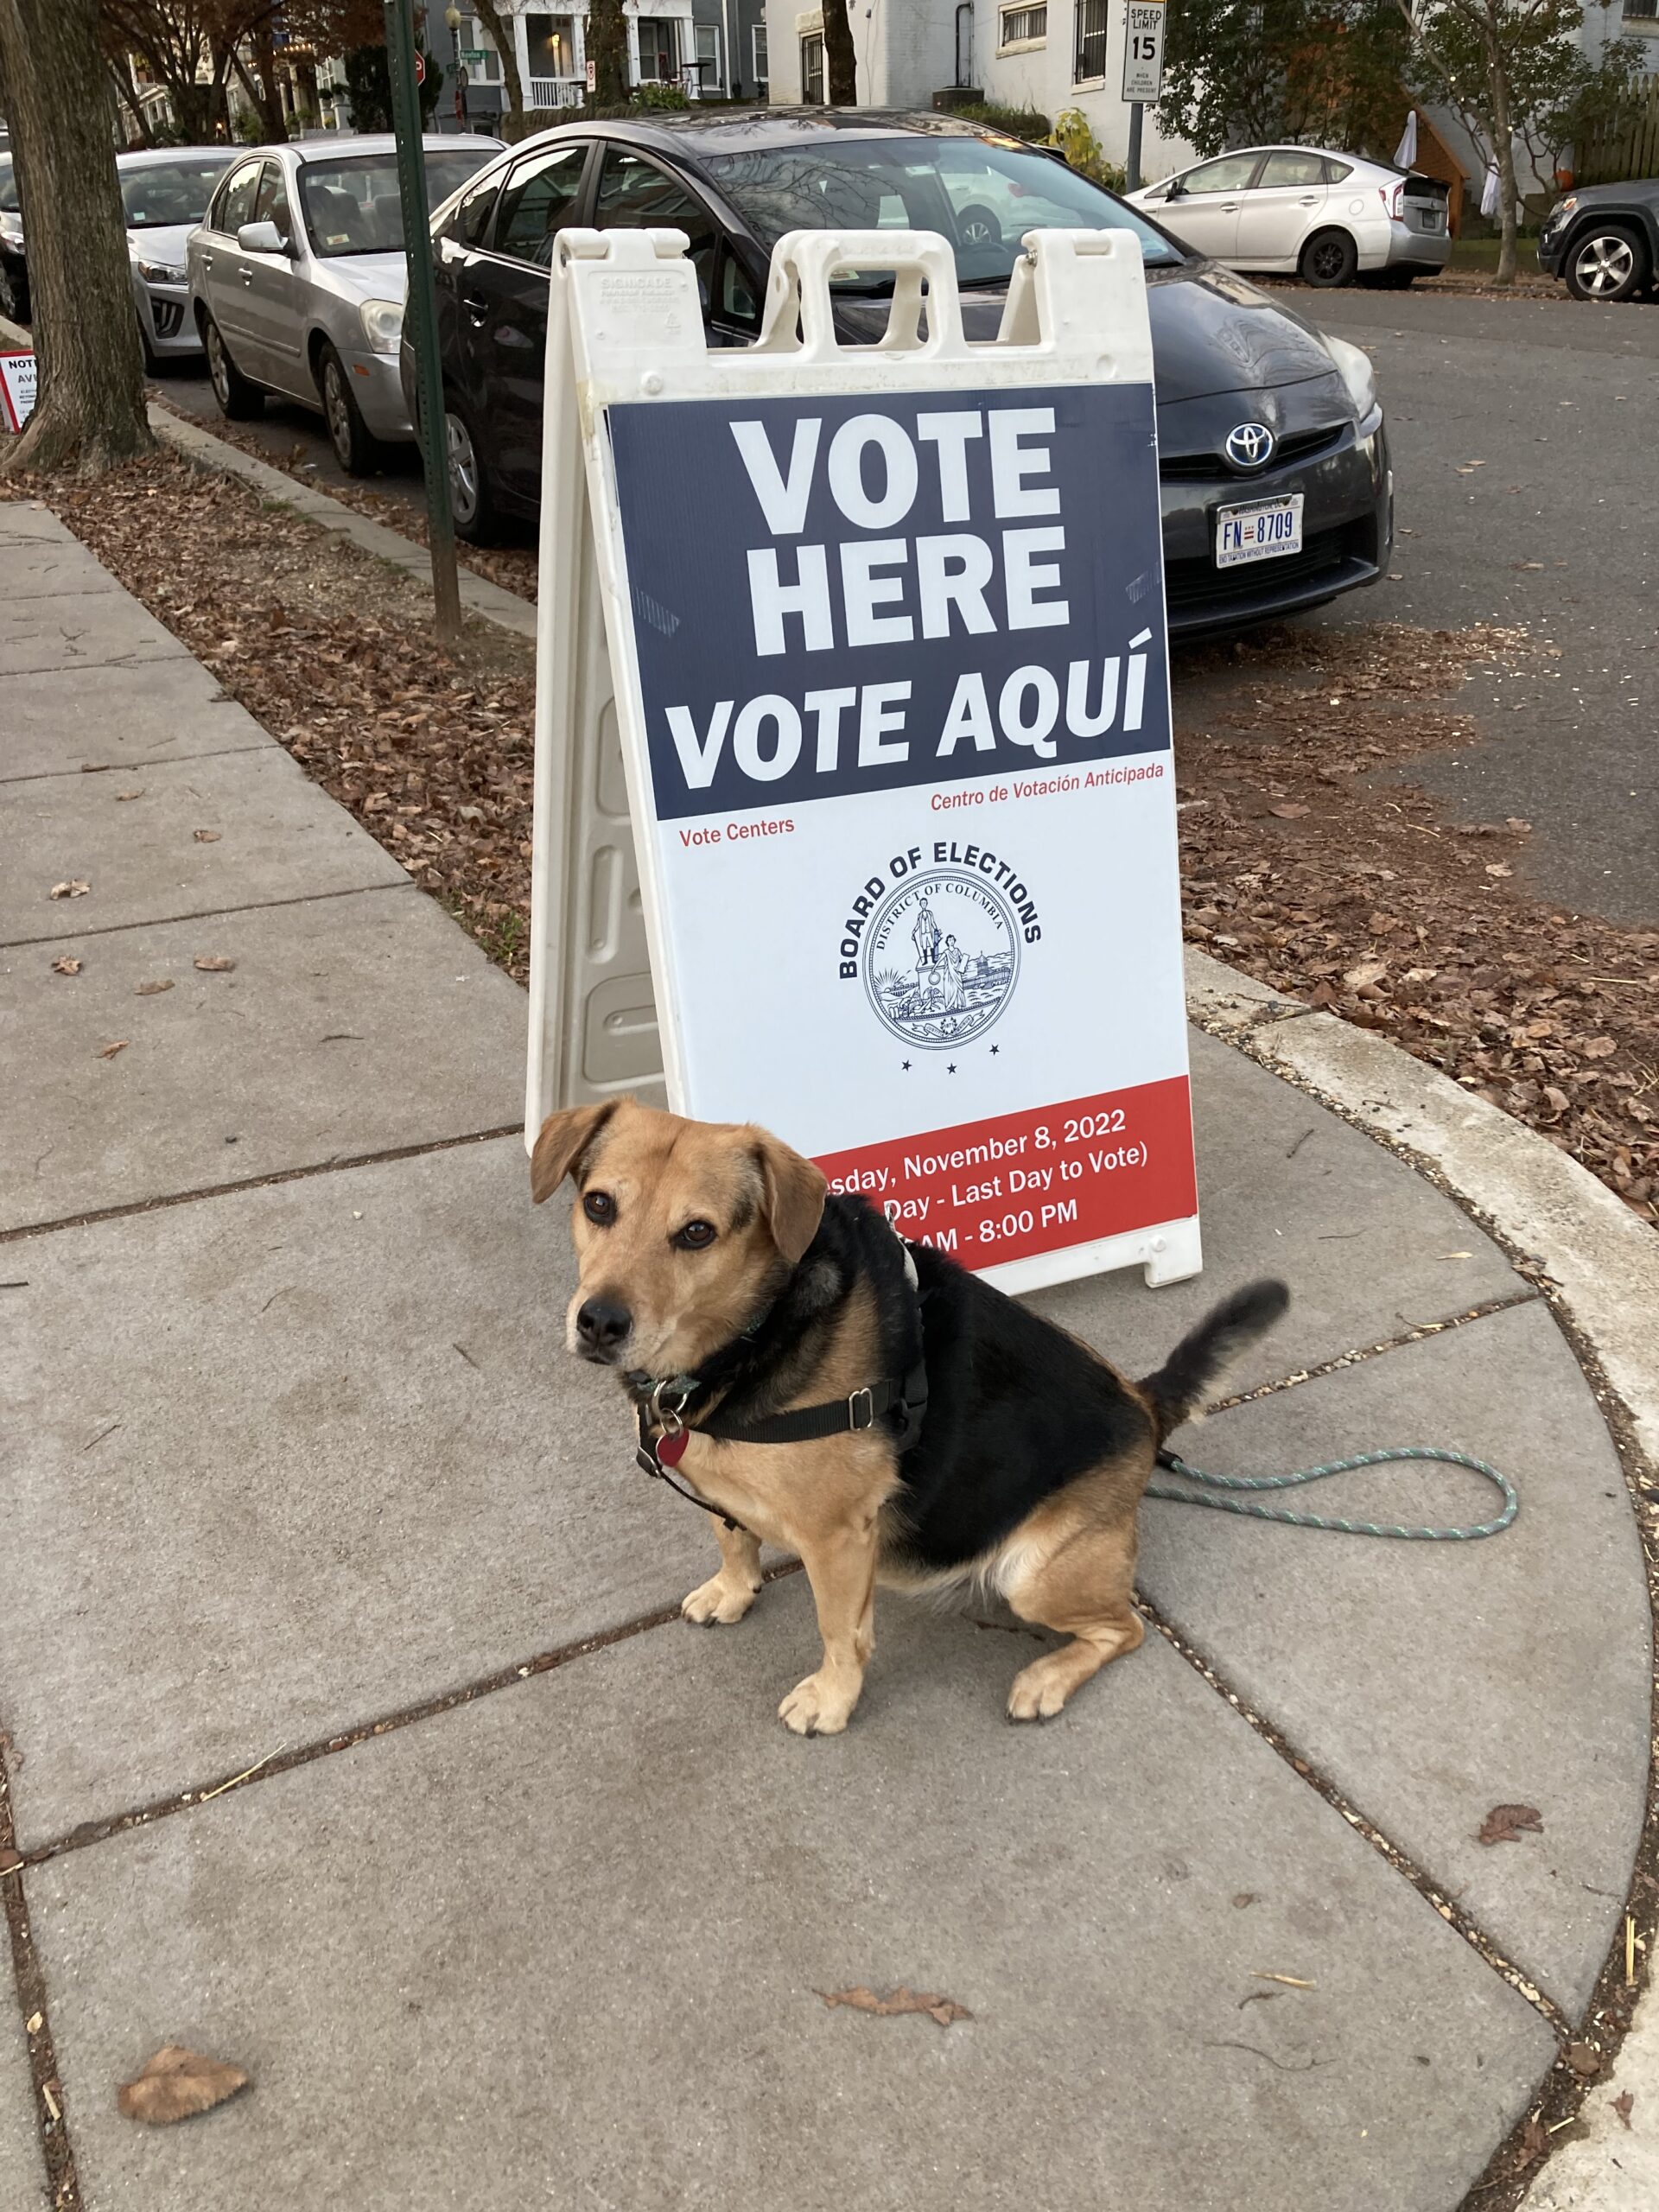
<point>1275,485</point>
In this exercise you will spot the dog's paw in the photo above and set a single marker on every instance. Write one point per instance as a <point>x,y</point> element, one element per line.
<point>818,1706</point>
<point>1041,1689</point>
<point>719,1600</point>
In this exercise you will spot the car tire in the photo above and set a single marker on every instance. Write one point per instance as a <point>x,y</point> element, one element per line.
<point>1606,262</point>
<point>977,225</point>
<point>239,401</point>
<point>472,495</point>
<point>356,447</point>
<point>1330,258</point>
<point>1390,280</point>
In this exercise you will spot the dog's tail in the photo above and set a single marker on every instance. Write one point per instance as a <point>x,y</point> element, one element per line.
<point>1198,1363</point>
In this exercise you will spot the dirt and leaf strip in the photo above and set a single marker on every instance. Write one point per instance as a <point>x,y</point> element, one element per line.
<point>1310,859</point>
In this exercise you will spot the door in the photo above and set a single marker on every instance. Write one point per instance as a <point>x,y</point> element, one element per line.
<point>501,303</point>
<point>1284,205</point>
<point>1205,214</point>
<point>272,285</point>
<point>635,193</point>
<point>225,285</point>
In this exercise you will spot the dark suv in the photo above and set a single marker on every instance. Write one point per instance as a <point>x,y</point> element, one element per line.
<point>1604,241</point>
<point>1255,409</point>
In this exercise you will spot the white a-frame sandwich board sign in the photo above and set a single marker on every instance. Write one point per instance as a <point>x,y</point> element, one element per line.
<point>852,742</point>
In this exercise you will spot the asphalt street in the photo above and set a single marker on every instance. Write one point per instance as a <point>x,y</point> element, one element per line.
<point>1526,479</point>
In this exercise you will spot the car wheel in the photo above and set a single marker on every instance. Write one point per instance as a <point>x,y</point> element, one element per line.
<point>356,447</point>
<point>1329,258</point>
<point>1608,263</point>
<point>239,400</point>
<point>1389,280</point>
<point>471,500</point>
<point>977,226</point>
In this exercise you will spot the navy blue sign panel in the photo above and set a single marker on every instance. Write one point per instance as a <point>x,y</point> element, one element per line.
<point>833,595</point>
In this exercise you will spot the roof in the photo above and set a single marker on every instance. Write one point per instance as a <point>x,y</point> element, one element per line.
<point>738,130</point>
<point>343,145</point>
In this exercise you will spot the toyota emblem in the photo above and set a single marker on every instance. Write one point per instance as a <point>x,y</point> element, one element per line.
<point>1250,446</point>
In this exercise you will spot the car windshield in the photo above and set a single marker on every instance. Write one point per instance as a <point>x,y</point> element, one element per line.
<point>352,207</point>
<point>9,203</point>
<point>159,195</point>
<point>982,194</point>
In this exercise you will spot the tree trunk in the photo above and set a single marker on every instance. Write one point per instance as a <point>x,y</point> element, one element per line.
<point>268,94</point>
<point>127,93</point>
<point>499,27</point>
<point>1497,78</point>
<point>840,64</point>
<point>607,49</point>
<point>91,410</point>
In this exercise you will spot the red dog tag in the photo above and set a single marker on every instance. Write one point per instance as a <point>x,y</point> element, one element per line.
<point>670,1450</point>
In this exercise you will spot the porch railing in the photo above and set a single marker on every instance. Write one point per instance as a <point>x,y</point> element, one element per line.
<point>556,91</point>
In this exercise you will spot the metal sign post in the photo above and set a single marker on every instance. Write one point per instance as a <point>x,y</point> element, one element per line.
<point>854,811</point>
<point>1143,72</point>
<point>407,67</point>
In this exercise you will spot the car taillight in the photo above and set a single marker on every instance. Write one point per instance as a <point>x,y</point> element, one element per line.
<point>1391,196</point>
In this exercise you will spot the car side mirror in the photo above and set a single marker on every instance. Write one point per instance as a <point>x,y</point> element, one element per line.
<point>1173,190</point>
<point>261,238</point>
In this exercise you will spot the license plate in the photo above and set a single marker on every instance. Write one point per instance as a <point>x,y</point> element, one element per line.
<point>1429,219</point>
<point>1261,532</point>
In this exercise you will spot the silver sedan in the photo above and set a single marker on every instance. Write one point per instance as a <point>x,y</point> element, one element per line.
<point>164,194</point>
<point>297,279</point>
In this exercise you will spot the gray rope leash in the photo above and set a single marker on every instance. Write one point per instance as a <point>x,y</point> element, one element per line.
<point>1214,1482</point>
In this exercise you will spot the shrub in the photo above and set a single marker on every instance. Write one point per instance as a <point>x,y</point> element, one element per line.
<point>1016,121</point>
<point>655,95</point>
<point>1084,151</point>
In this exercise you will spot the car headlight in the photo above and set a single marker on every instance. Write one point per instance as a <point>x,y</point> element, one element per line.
<point>383,324</point>
<point>161,272</point>
<point>1354,367</point>
<point>1559,213</point>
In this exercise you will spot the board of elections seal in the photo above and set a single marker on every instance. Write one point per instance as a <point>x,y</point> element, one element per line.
<point>941,957</point>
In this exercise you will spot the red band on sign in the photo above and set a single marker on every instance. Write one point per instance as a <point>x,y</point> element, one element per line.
<point>1041,1181</point>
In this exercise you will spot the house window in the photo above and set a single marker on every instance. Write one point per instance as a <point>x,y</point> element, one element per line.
<point>1641,11</point>
<point>659,57</point>
<point>1090,57</point>
<point>813,70</point>
<point>762,80</point>
<point>709,76</point>
<point>1021,24</point>
<point>551,41</point>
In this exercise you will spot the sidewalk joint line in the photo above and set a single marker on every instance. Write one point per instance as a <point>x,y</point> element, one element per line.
<point>90,1833</point>
<point>1449,1911</point>
<point>137,767</point>
<point>207,913</point>
<point>1419,1332</point>
<point>33,2014</point>
<point>337,1167</point>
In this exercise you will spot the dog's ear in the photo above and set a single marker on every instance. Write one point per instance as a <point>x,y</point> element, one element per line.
<point>563,1139</point>
<point>791,1196</point>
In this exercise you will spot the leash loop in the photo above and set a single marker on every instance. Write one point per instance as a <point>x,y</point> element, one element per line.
<point>1212,1482</point>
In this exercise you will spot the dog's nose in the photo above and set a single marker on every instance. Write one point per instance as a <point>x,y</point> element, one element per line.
<point>601,1323</point>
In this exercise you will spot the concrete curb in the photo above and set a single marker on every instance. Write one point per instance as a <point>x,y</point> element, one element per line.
<point>478,596</point>
<point>1605,1264</point>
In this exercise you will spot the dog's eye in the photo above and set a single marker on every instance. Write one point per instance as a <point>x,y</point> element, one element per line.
<point>696,1236</point>
<point>598,1206</point>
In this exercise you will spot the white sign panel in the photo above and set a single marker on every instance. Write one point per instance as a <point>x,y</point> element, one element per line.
<point>891,683</point>
<point>1143,50</point>
<point>17,378</point>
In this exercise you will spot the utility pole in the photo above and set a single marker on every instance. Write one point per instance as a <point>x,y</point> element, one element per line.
<point>421,315</point>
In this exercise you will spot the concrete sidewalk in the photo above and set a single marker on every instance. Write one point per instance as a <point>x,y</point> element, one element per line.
<point>529,1897</point>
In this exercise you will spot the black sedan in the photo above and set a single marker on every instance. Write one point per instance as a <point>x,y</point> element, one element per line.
<point>1254,406</point>
<point>1604,241</point>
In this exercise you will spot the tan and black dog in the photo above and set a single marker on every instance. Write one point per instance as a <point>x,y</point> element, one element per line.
<point>865,1404</point>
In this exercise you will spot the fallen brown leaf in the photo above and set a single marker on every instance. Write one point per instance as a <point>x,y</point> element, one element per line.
<point>1366,971</point>
<point>944,2009</point>
<point>1506,1823</point>
<point>206,836</point>
<point>1292,810</point>
<point>177,2083</point>
<point>214,963</point>
<point>123,796</point>
<point>1621,2105</point>
<point>120,1046</point>
<point>67,965</point>
<point>1584,2059</point>
<point>74,888</point>
<point>148,990</point>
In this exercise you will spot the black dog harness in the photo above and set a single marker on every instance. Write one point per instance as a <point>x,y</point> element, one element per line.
<point>663,1432</point>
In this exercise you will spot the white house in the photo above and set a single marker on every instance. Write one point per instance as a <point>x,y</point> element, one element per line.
<point>706,46</point>
<point>1047,54</point>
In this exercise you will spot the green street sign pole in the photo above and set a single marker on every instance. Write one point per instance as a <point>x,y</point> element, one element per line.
<point>421,315</point>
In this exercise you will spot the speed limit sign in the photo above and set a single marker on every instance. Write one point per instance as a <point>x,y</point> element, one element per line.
<point>1143,50</point>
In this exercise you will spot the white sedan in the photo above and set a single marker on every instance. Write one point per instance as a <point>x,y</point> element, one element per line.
<point>1327,217</point>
